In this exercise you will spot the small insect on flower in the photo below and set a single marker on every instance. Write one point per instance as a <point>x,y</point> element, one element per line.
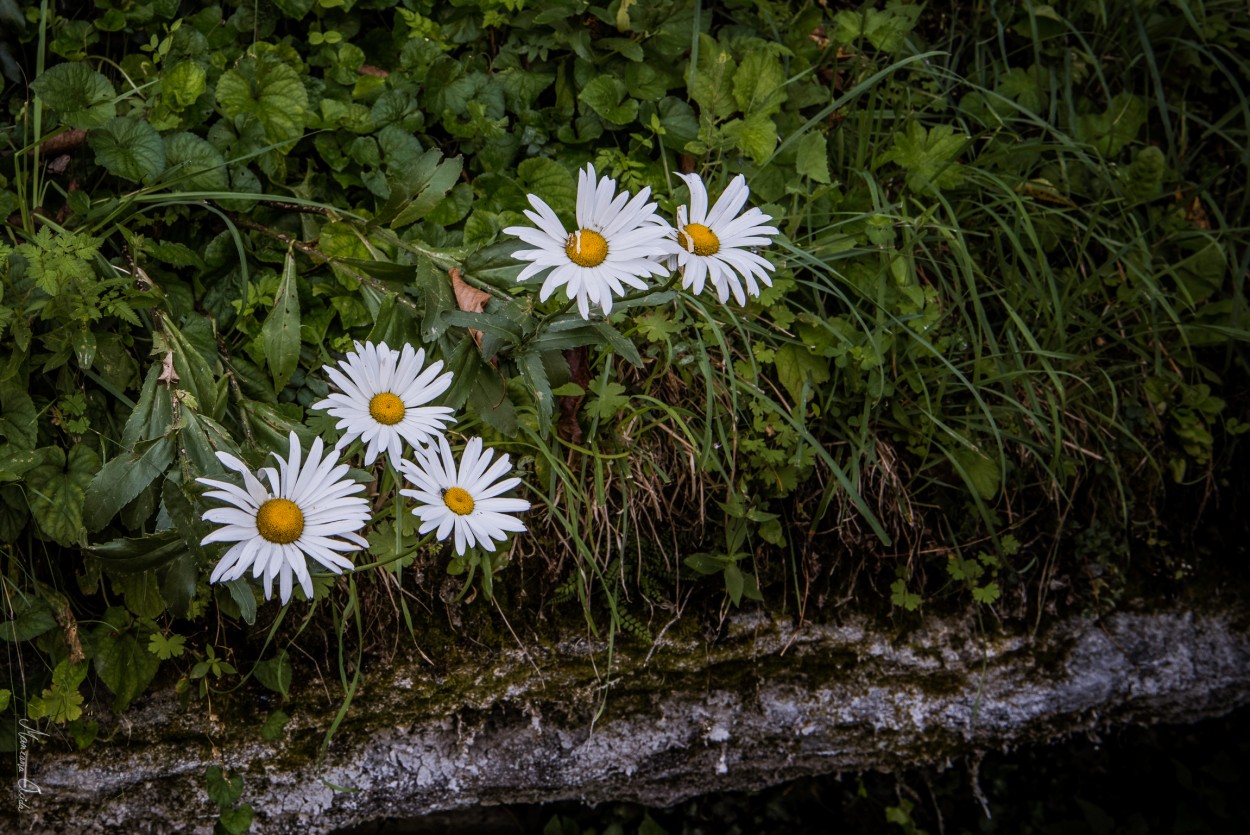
<point>714,244</point>
<point>616,243</point>
<point>308,510</point>
<point>383,399</point>
<point>465,499</point>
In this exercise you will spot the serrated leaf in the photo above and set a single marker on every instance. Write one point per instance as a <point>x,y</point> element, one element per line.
<point>123,478</point>
<point>551,181</point>
<point>129,148</point>
<point>709,81</point>
<point>82,97</point>
<point>755,136</point>
<point>268,90</point>
<point>928,156</point>
<point>280,333</point>
<point>759,81</point>
<point>183,83</point>
<point>17,416</point>
<point>812,158</point>
<point>193,164</point>
<point>986,594</point>
<point>57,489</point>
<point>166,648</point>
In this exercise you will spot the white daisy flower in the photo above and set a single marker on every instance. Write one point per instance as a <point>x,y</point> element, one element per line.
<point>615,244</point>
<point>714,244</point>
<point>383,397</point>
<point>307,511</point>
<point>464,500</point>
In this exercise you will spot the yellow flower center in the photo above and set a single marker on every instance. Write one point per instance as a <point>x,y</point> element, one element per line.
<point>280,521</point>
<point>386,408</point>
<point>458,501</point>
<point>586,248</point>
<point>697,238</point>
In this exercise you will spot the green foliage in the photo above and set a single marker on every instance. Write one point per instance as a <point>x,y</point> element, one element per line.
<point>1007,303</point>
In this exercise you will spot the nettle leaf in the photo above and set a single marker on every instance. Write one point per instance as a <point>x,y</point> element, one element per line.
<point>813,157</point>
<point>129,148</point>
<point>759,83</point>
<point>268,90</point>
<point>194,164</point>
<point>708,81</point>
<point>609,98</point>
<point>57,489</point>
<point>81,96</point>
<point>280,333</point>
<point>123,478</point>
<point>755,136</point>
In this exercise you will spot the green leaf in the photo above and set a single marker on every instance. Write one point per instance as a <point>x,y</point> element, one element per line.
<point>609,98</point>
<point>183,83</point>
<point>530,364</point>
<point>193,164</point>
<point>123,478</point>
<point>755,136</point>
<point>900,596</point>
<point>166,648</point>
<point>245,598</point>
<point>759,83</point>
<point>61,702</point>
<point>222,791</point>
<point>31,617</point>
<point>551,181</point>
<point>18,421</point>
<point>424,185</point>
<point>610,398</point>
<point>123,664</point>
<point>812,159</point>
<point>796,367</point>
<point>141,593</point>
<point>734,582</point>
<point>274,725</point>
<point>928,156</point>
<point>275,673</point>
<point>986,594</point>
<point>268,90</point>
<point>1114,128</point>
<point>143,553</point>
<point>81,96</point>
<point>280,333</point>
<point>981,472</point>
<point>709,80</point>
<point>57,489</point>
<point>234,821</point>
<point>129,148</point>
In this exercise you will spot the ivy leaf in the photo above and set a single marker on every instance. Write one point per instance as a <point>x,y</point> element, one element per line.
<point>129,148</point>
<point>812,159</point>
<point>57,489</point>
<point>81,96</point>
<point>280,333</point>
<point>609,98</point>
<point>268,90</point>
<point>194,164</point>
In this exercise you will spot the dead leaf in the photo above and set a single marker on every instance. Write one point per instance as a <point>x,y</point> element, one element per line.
<point>470,300</point>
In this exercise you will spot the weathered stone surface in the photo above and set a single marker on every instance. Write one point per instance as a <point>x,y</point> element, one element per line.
<point>760,704</point>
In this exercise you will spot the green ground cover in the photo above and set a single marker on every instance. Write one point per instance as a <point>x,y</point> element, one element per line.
<point>1003,351</point>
